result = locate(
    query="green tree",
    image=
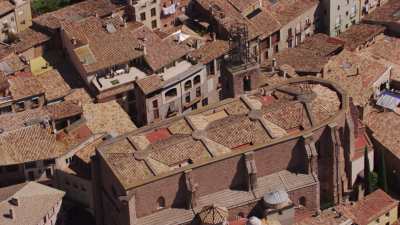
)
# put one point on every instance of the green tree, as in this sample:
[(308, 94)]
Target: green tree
[(44, 6), (382, 177)]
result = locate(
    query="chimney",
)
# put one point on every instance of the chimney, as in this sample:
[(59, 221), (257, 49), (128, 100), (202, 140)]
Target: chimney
[(14, 201), (285, 74), (12, 214), (214, 36)]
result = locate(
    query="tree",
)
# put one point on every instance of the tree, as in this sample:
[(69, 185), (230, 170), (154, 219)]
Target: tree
[(44, 6), (382, 177)]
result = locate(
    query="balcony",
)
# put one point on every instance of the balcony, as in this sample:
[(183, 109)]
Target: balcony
[(192, 102)]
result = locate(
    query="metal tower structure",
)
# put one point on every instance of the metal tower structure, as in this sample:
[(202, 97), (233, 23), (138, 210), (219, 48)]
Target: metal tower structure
[(238, 44)]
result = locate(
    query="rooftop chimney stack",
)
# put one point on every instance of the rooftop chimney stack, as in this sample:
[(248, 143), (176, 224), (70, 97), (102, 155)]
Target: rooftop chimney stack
[(12, 214), (14, 201)]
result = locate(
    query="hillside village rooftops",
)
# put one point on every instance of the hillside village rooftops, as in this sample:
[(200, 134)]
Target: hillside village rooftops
[(210, 50), (302, 60), (259, 23), (286, 11), (368, 209), (385, 50), (24, 86), (37, 142), (75, 12), (102, 43), (6, 6), (53, 84), (322, 44), (30, 38), (389, 12), (342, 69), (215, 132), (359, 34), (384, 128), (28, 195)]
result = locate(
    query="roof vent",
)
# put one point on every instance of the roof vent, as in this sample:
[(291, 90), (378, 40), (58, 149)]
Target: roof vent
[(14, 201)]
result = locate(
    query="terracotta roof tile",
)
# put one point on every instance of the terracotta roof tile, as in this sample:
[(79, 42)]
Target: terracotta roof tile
[(370, 207), (384, 127), (388, 12), (29, 194), (64, 110), (24, 86), (211, 50), (342, 69), (286, 11), (30, 38), (54, 85), (104, 48), (6, 6), (359, 35), (212, 132), (75, 12), (302, 60), (322, 44), (150, 83)]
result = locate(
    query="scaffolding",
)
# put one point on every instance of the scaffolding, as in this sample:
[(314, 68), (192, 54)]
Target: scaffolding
[(238, 44)]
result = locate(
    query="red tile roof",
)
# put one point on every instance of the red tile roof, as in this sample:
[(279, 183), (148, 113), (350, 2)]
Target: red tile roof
[(370, 207)]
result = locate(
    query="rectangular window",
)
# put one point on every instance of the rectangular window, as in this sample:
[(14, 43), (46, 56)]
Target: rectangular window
[(290, 33), (153, 12), (48, 173), (155, 103), (276, 49), (204, 102), (156, 114), (154, 24), (20, 106), (187, 98), (6, 109), (35, 102), (198, 92), (143, 16)]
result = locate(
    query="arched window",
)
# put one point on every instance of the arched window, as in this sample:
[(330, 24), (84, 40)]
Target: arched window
[(197, 80), (247, 83), (188, 85), (171, 93), (302, 201), (160, 203)]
